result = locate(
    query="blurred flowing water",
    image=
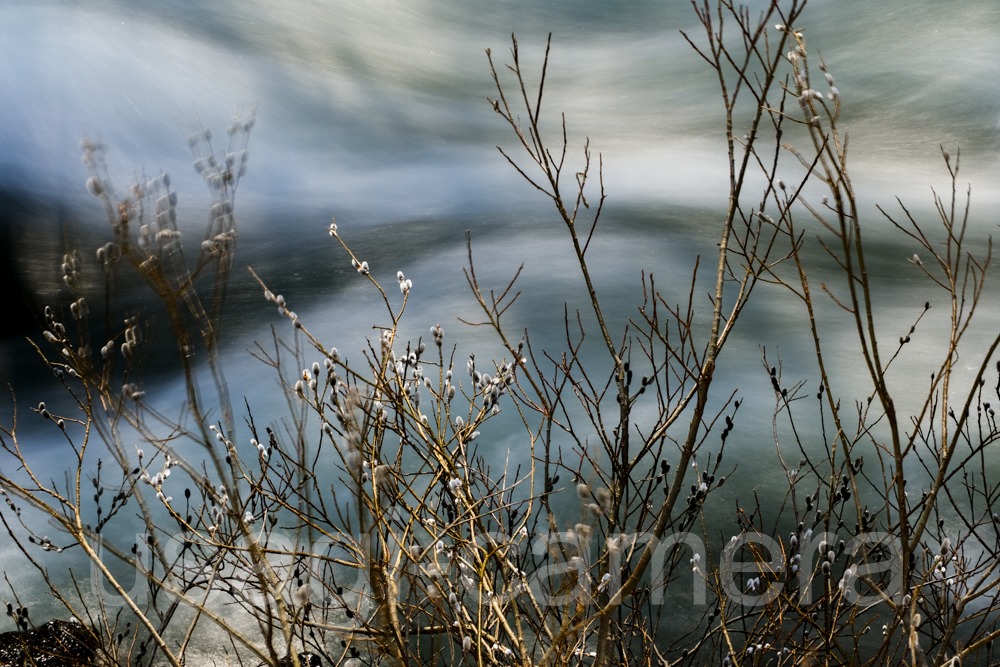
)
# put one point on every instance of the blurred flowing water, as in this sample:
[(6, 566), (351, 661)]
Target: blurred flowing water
[(376, 112)]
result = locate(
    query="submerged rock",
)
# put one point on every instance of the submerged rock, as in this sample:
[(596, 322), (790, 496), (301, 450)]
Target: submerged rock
[(55, 644)]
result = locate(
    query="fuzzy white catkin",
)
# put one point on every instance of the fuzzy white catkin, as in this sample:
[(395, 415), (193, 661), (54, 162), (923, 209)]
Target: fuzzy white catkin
[(382, 476)]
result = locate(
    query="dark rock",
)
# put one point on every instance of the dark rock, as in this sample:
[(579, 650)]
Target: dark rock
[(55, 644), (309, 660)]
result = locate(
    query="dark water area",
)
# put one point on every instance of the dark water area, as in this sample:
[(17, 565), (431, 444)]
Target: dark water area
[(16, 220)]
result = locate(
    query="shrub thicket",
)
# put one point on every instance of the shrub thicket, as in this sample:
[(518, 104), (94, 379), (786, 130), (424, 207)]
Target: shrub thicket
[(419, 552)]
